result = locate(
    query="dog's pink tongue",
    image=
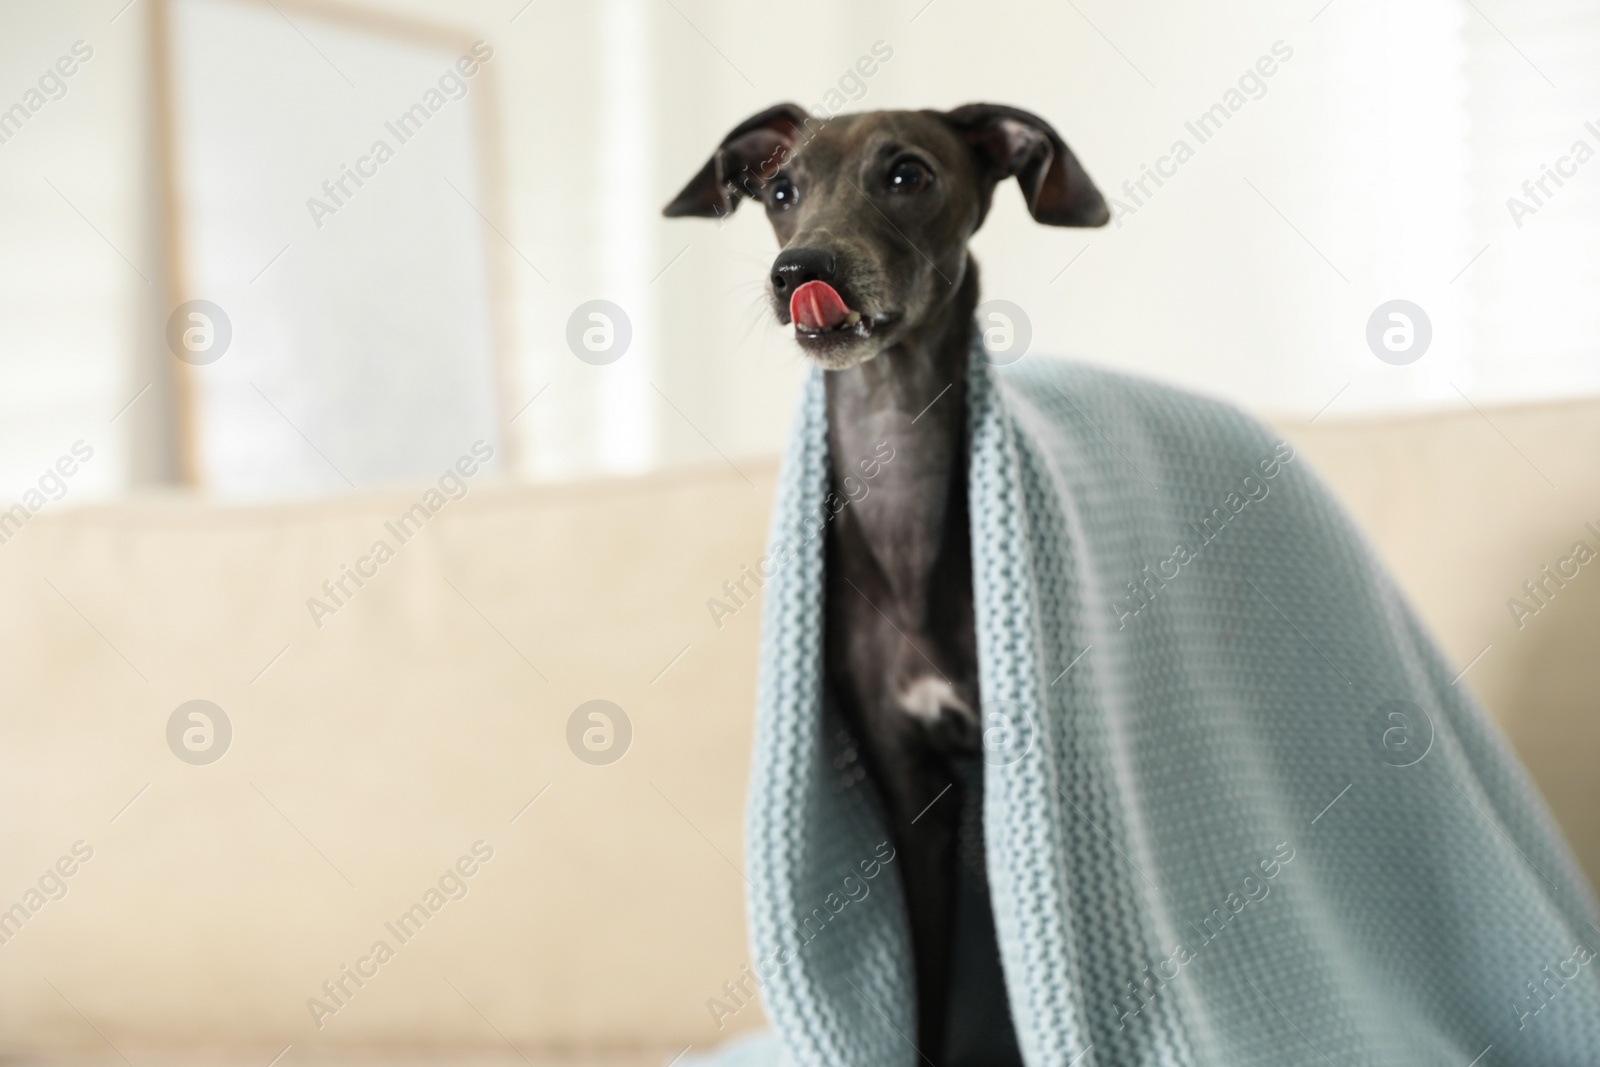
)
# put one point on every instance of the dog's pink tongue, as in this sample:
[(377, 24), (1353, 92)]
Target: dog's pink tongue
[(817, 306)]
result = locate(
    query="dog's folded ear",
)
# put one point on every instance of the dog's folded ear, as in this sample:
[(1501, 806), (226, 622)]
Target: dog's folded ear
[(1008, 141), (750, 155)]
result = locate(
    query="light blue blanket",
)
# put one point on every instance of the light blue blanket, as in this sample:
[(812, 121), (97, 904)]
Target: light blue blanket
[(1237, 810)]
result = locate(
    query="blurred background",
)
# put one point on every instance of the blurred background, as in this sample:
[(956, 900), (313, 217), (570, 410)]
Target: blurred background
[(284, 281)]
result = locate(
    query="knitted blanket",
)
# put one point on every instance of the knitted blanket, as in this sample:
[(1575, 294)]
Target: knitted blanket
[(1238, 810)]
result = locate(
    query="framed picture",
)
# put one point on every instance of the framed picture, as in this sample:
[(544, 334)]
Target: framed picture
[(335, 286)]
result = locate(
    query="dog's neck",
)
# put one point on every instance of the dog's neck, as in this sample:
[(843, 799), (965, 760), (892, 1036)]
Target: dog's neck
[(913, 396)]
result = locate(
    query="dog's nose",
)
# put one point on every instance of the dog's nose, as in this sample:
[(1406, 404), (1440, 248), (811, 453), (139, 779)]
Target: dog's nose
[(796, 266)]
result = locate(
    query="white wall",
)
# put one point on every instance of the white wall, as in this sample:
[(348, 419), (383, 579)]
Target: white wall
[(77, 253), (1376, 165)]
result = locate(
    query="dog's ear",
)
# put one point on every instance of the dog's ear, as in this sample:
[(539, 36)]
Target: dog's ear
[(1008, 141), (749, 155)]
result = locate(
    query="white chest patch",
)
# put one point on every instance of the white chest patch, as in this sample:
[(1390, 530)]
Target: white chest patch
[(927, 697)]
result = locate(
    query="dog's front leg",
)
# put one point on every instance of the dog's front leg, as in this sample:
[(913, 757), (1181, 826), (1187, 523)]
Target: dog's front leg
[(924, 806)]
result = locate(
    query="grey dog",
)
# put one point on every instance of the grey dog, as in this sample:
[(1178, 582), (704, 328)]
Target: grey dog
[(873, 212)]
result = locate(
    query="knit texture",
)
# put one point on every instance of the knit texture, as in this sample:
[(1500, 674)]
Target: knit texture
[(1237, 810)]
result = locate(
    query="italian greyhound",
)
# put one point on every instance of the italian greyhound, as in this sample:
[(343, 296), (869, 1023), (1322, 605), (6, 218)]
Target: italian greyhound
[(873, 212)]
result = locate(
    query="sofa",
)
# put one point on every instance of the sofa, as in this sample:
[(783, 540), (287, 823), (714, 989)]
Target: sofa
[(407, 760)]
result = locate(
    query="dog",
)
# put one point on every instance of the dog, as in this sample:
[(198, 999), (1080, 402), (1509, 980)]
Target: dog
[(873, 212)]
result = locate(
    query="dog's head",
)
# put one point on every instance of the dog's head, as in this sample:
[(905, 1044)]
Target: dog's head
[(874, 210)]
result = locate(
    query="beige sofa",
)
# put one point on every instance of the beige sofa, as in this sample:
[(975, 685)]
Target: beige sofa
[(369, 754)]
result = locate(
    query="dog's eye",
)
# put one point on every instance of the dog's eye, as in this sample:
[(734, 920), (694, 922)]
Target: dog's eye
[(783, 195), (909, 176)]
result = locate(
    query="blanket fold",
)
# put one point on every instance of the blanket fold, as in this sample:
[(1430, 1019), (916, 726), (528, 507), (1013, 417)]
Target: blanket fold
[(1236, 810)]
